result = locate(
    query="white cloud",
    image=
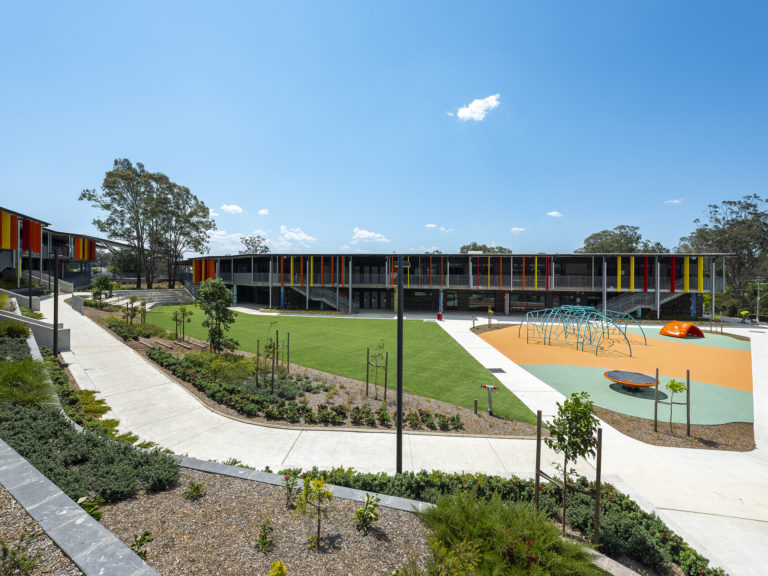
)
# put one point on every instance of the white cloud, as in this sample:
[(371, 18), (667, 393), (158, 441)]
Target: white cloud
[(429, 249), (517, 229), (223, 242), (212, 213), (264, 212), (444, 229), (361, 235), (345, 247), (675, 201), (554, 214), (232, 209), (478, 108), (431, 226), (291, 239), (441, 228)]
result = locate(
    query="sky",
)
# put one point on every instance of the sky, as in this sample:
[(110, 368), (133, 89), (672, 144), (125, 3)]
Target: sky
[(391, 126)]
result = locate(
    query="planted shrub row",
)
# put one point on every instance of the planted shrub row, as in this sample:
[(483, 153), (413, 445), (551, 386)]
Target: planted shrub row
[(133, 331), (625, 529), (250, 399), (83, 463)]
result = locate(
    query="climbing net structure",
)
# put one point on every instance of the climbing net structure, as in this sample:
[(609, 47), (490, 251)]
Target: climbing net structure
[(583, 326)]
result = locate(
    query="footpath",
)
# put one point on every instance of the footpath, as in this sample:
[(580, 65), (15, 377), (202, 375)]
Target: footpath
[(717, 501)]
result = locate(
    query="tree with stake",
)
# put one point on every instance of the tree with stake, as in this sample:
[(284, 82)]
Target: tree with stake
[(214, 300), (185, 316), (573, 433), (313, 502), (674, 387)]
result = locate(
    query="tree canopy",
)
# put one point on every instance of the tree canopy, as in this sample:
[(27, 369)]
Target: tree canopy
[(156, 216), (739, 227), (484, 248), (622, 239), (254, 244), (215, 300)]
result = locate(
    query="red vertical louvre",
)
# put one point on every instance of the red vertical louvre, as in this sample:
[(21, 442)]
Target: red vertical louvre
[(282, 270), (645, 274), (210, 269), (14, 232), (672, 276), (92, 251)]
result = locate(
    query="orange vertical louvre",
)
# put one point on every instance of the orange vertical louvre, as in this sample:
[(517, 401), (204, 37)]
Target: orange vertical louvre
[(211, 269)]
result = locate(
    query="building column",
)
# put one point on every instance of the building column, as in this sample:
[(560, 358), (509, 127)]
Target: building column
[(605, 285)]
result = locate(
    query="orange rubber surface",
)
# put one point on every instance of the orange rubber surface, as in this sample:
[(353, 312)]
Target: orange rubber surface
[(720, 366)]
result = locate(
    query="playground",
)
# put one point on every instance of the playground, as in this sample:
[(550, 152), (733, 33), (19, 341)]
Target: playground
[(720, 371)]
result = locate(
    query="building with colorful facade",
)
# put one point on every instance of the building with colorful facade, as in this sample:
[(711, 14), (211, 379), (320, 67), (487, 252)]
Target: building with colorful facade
[(634, 283)]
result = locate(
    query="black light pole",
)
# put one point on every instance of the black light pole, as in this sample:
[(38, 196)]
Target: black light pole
[(56, 305), (399, 465)]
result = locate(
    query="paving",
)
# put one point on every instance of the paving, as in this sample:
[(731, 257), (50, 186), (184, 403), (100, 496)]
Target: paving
[(716, 500)]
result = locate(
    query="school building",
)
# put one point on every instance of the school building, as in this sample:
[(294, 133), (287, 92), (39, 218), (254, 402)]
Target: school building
[(642, 284)]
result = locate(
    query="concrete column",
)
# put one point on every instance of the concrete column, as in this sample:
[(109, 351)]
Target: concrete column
[(658, 288), (605, 285)]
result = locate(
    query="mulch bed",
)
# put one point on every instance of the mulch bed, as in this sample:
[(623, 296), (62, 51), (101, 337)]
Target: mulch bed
[(14, 522), (735, 436), (215, 534)]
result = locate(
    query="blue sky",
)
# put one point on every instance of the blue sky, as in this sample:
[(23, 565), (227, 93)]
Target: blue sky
[(392, 126)]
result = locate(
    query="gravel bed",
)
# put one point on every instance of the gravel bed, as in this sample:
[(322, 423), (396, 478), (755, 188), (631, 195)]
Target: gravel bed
[(14, 522), (215, 534)]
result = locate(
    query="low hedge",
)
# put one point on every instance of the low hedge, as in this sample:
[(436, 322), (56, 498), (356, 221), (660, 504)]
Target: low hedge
[(84, 463), (133, 331), (101, 305), (248, 399), (625, 529), (14, 329)]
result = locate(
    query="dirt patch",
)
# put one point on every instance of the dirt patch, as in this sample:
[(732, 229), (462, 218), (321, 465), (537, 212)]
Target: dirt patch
[(736, 436), (215, 534), (485, 328)]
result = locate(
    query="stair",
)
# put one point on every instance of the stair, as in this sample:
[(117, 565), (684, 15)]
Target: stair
[(632, 301), (327, 296), (157, 297)]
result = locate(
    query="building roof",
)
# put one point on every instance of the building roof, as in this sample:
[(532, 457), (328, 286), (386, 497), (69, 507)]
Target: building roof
[(24, 216), (454, 255)]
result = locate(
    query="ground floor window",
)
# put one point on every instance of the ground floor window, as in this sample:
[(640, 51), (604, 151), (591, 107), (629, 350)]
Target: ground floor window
[(482, 300)]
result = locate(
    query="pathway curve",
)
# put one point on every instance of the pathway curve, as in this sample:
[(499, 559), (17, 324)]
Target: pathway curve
[(716, 500)]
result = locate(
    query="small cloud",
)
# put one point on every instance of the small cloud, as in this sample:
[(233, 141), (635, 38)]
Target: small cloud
[(675, 201), (554, 214), (444, 229), (429, 249), (516, 229), (212, 213), (477, 109), (232, 209), (431, 226), (361, 235), (263, 212), (450, 113), (345, 247)]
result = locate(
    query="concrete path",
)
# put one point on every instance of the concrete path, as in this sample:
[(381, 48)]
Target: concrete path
[(717, 501)]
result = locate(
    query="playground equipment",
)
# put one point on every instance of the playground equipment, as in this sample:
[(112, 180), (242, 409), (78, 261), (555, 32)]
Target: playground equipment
[(681, 330), (579, 325), (630, 380)]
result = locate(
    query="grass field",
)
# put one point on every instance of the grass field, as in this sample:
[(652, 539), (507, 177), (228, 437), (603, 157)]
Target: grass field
[(435, 365)]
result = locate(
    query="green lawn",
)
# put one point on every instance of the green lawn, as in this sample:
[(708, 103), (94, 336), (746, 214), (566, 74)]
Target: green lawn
[(436, 366)]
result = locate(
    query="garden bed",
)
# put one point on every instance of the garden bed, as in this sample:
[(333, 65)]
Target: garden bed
[(215, 534)]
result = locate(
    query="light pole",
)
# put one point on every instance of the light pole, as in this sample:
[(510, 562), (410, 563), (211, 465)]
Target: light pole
[(56, 304), (399, 415)]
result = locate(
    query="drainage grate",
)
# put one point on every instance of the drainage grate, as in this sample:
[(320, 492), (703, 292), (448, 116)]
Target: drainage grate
[(497, 370)]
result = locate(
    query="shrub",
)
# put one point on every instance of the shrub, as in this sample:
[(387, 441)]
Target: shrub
[(382, 415), (140, 542), (24, 381), (264, 540), (368, 513), (27, 312), (13, 349), (17, 560), (83, 463), (14, 329), (194, 490)]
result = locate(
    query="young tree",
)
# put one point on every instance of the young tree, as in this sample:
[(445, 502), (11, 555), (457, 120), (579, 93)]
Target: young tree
[(313, 501), (254, 244), (674, 387), (572, 433), (102, 286), (621, 239), (214, 300)]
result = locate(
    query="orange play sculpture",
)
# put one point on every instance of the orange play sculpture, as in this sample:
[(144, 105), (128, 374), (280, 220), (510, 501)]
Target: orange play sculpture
[(681, 329)]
